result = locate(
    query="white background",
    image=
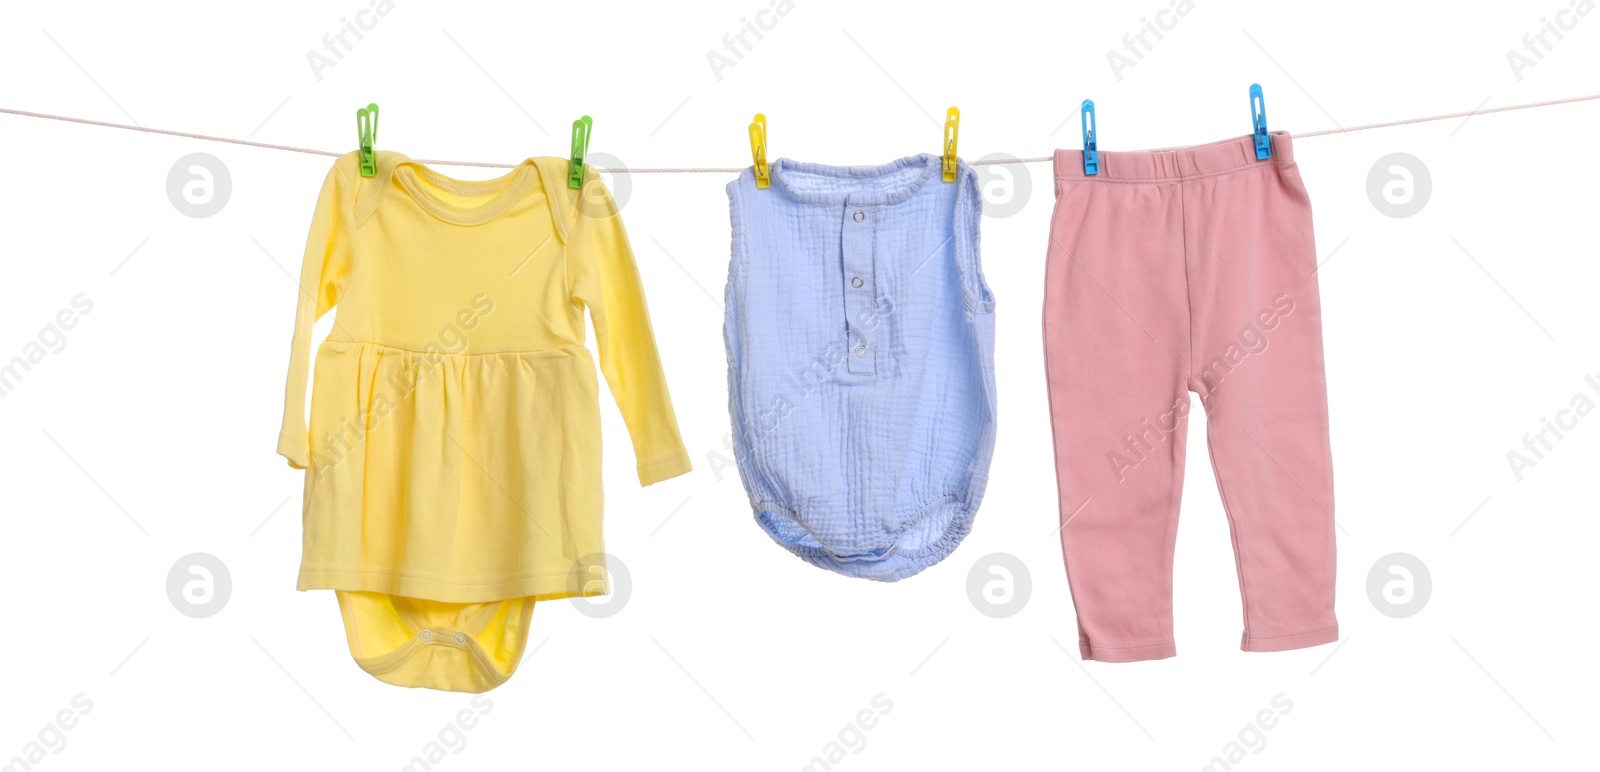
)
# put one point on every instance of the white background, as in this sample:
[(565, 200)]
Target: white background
[(150, 436)]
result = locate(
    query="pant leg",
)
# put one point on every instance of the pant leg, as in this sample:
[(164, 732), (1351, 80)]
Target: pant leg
[(1258, 367), (1116, 360)]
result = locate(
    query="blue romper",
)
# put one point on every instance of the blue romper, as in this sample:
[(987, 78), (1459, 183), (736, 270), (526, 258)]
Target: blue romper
[(860, 336)]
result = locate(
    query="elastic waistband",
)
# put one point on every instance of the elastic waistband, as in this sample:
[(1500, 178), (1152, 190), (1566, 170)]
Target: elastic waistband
[(1179, 163)]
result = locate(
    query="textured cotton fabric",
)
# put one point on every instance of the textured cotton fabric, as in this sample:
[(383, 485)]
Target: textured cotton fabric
[(453, 453), (1173, 272), (860, 336)]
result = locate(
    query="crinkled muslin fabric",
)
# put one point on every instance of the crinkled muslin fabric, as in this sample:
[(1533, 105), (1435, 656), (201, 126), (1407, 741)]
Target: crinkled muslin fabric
[(860, 339)]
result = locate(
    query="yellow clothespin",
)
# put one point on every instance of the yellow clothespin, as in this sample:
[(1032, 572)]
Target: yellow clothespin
[(758, 150), (952, 128)]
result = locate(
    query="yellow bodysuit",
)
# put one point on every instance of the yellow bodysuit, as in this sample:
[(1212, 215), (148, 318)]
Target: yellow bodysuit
[(453, 453)]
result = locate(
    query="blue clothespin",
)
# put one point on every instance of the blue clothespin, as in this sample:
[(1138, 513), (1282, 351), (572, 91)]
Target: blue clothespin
[(1258, 115), (1091, 139)]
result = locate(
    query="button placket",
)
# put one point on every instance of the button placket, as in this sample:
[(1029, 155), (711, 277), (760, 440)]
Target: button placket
[(860, 292)]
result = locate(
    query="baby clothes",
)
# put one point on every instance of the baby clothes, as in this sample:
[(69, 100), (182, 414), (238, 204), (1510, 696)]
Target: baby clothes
[(1180, 271), (860, 337), (453, 451)]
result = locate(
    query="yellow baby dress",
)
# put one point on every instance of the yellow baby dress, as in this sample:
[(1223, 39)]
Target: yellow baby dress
[(453, 453)]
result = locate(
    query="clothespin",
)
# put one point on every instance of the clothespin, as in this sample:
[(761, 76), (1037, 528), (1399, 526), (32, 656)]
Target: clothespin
[(580, 149), (952, 128), (366, 135), (1091, 139), (758, 150), (1258, 117)]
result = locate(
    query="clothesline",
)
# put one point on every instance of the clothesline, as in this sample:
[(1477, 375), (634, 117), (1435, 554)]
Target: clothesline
[(735, 170)]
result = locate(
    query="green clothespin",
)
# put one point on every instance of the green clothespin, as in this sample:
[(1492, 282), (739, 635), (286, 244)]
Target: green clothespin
[(580, 149), (367, 134)]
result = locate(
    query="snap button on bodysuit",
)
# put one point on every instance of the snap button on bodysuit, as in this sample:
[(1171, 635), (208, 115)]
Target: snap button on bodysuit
[(857, 282), (427, 635), (861, 351), (860, 215), (461, 639)]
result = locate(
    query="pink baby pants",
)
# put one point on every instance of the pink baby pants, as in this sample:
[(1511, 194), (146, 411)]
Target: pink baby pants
[(1171, 272)]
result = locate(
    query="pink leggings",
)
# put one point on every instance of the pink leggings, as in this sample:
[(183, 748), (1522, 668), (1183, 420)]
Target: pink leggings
[(1172, 272)]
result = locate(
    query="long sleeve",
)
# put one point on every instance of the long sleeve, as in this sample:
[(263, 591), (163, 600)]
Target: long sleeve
[(323, 273), (604, 278)]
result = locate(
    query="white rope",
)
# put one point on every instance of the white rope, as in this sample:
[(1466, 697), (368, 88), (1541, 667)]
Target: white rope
[(736, 170), (1448, 116)]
